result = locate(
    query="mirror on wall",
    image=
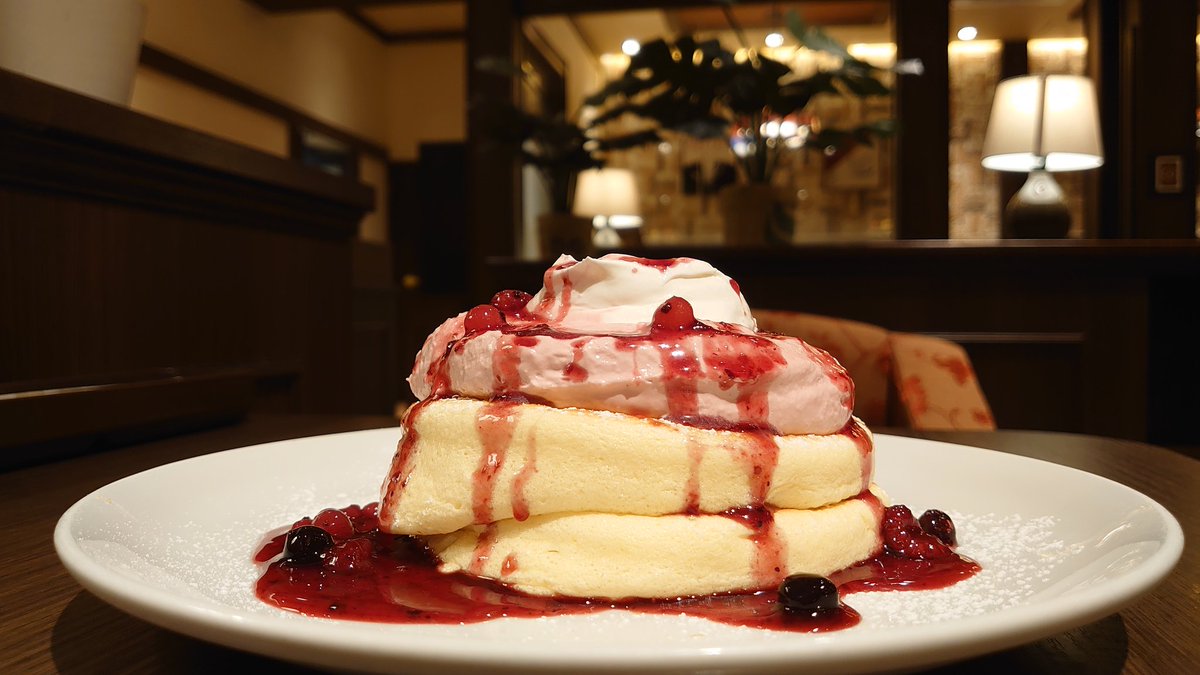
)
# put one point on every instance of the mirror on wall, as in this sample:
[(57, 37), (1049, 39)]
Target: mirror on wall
[(992, 41), (690, 187)]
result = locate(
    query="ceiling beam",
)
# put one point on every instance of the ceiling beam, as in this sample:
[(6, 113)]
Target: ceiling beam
[(352, 9), (427, 36), (288, 6), (359, 18), (197, 76), (537, 7), (583, 37), (540, 7)]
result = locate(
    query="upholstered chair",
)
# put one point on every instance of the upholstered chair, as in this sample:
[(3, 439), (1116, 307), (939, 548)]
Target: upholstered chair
[(900, 379), (861, 348)]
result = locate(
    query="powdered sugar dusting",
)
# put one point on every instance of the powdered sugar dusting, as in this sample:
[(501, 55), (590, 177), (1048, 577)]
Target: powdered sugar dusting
[(201, 560), (182, 537), (1018, 556)]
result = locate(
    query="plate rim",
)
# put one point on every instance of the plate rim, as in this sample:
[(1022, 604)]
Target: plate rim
[(268, 635)]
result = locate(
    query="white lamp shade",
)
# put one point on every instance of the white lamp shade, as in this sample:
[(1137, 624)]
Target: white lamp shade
[(606, 192), (1043, 122)]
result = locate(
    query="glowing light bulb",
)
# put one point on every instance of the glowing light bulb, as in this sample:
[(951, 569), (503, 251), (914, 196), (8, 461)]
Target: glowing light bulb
[(774, 40), (631, 46), (967, 33)]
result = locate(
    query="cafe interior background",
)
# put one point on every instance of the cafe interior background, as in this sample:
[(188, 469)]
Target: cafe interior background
[(290, 194)]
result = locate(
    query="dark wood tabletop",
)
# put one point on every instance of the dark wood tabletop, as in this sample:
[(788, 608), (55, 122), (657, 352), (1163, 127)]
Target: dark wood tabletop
[(48, 624)]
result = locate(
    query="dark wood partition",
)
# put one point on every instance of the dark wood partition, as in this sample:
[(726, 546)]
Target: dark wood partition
[(172, 277)]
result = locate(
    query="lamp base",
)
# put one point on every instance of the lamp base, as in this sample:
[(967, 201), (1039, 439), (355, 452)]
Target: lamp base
[(609, 238), (1038, 210)]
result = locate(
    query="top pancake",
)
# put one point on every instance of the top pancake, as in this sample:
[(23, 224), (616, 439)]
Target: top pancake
[(466, 462)]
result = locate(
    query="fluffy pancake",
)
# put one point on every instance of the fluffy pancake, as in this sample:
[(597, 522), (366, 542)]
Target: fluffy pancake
[(466, 462), (605, 555), (627, 432)]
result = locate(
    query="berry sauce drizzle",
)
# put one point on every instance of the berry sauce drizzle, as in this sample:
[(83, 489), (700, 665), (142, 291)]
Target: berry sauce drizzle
[(362, 573), (719, 363), (495, 424), (371, 575), (661, 265), (683, 344)]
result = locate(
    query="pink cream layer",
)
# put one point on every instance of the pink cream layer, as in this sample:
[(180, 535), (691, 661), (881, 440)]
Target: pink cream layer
[(722, 373)]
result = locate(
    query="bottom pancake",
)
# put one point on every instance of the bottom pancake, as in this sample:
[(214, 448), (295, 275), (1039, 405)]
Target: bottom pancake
[(605, 555)]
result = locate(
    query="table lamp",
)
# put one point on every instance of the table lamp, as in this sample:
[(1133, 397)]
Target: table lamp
[(610, 197), (1042, 124)]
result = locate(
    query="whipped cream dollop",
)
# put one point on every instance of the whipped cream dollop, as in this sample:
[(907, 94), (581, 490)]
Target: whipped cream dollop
[(588, 339), (618, 293)]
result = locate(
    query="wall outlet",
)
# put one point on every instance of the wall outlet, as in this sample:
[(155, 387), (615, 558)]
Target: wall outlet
[(1168, 174)]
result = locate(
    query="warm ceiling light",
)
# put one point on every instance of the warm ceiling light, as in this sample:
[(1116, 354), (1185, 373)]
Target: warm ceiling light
[(631, 46), (774, 40), (615, 64), (967, 33), (872, 51), (1044, 45), (974, 47)]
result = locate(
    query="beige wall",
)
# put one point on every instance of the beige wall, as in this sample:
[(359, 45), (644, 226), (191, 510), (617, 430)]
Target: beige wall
[(180, 103), (583, 75), (426, 95), (318, 62), (374, 226)]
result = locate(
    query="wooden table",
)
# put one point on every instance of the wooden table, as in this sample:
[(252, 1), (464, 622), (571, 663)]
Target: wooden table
[(49, 625)]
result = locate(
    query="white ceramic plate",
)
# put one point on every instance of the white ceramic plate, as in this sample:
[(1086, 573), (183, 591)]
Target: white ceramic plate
[(1059, 548)]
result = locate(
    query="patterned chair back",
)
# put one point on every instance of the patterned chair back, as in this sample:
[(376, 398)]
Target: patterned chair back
[(900, 379)]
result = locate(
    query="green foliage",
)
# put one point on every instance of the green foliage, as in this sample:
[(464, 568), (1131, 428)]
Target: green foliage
[(558, 148), (699, 89), (692, 87)]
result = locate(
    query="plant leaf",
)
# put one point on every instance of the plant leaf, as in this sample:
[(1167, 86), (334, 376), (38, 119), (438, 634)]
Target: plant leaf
[(633, 140), (813, 37)]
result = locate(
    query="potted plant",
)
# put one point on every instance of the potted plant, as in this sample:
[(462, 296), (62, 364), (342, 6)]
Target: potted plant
[(700, 89), (559, 149)]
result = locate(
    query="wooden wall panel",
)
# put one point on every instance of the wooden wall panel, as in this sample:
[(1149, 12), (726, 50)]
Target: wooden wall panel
[(1031, 382), (94, 288), (135, 254)]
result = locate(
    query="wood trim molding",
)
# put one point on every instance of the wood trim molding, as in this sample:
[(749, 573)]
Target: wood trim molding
[(448, 35), (64, 143), (287, 6), (97, 414), (1012, 338), (352, 9), (537, 7), (182, 69), (355, 15)]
